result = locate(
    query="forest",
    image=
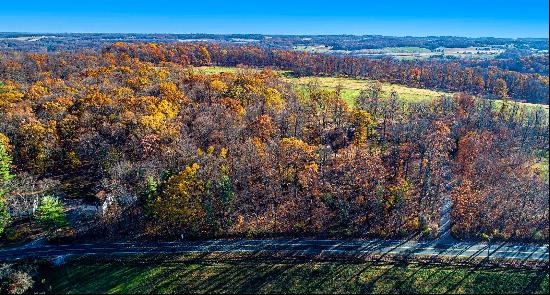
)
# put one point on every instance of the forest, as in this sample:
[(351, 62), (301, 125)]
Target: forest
[(165, 151)]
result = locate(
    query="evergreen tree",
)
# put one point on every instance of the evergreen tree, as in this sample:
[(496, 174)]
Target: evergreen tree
[(50, 213), (5, 177)]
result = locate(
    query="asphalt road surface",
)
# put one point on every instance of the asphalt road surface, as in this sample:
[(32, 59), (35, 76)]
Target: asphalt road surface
[(290, 246)]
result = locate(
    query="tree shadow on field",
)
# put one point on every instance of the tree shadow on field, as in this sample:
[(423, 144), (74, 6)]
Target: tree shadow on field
[(224, 273), (536, 282), (294, 266), (368, 288), (486, 260)]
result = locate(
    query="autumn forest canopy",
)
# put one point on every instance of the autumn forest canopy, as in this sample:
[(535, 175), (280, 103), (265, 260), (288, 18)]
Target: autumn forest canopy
[(288, 147), (161, 149)]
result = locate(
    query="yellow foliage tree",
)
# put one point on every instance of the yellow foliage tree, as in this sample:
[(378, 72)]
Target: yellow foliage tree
[(5, 142), (9, 96), (36, 91), (364, 126), (179, 205), (170, 91), (233, 105), (95, 98), (160, 117), (297, 157), (35, 144), (218, 86), (273, 99)]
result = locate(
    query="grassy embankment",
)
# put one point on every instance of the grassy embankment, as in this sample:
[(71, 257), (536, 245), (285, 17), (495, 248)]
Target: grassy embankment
[(200, 276)]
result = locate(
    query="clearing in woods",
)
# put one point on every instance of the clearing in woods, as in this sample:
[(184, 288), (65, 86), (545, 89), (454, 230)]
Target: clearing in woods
[(352, 87)]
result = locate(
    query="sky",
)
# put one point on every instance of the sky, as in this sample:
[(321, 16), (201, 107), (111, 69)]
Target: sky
[(481, 18)]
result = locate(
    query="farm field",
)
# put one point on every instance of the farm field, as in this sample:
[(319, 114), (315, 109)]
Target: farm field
[(350, 87), (130, 276), (410, 52)]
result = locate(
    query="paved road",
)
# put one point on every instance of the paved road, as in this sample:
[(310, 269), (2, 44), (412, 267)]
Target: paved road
[(294, 246)]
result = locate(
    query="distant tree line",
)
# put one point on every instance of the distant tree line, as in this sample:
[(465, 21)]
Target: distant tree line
[(455, 76), (75, 41)]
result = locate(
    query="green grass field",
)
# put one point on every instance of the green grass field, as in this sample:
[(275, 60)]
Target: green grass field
[(405, 49), (285, 277), (350, 87), (216, 70), (542, 164), (313, 49)]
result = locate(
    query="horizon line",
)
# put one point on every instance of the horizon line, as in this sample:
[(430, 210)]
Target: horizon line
[(276, 34)]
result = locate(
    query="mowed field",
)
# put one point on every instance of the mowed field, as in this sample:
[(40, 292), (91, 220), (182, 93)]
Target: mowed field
[(350, 87), (202, 276)]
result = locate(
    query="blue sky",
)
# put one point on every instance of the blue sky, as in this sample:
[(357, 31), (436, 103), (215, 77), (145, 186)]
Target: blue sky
[(505, 18)]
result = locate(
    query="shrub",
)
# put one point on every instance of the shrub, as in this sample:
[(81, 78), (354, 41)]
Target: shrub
[(13, 280), (50, 213)]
